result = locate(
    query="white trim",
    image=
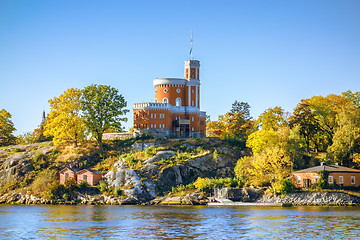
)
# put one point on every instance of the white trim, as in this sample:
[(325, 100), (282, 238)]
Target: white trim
[(341, 179), (189, 103), (353, 178), (298, 180), (196, 94), (178, 102), (331, 180), (165, 100)]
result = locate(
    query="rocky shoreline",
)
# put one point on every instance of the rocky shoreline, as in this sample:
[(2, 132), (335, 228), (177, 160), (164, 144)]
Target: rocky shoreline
[(195, 198)]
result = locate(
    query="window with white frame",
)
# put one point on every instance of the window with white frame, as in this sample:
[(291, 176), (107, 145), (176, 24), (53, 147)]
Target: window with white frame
[(192, 119), (331, 180), (192, 129), (151, 115), (154, 115), (316, 179), (165, 90), (178, 102), (151, 126), (341, 179), (178, 90), (298, 180), (155, 125), (165, 100), (352, 179)]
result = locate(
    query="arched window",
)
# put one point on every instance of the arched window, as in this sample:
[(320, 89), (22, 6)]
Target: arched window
[(178, 102), (165, 100)]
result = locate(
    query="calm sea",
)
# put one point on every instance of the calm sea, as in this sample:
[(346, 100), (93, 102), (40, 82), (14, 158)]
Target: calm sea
[(175, 222)]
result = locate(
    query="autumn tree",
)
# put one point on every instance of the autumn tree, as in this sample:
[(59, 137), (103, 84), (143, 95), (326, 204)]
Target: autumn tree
[(64, 121), (347, 134), (304, 118), (6, 128), (103, 108), (237, 123)]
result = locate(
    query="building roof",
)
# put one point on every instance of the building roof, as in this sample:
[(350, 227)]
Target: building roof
[(90, 170), (330, 168), (75, 170)]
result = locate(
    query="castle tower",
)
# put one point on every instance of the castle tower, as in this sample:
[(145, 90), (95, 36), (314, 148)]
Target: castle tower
[(176, 110)]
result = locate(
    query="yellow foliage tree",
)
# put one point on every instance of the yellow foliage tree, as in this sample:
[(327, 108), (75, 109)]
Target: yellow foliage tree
[(200, 183), (6, 128), (64, 121)]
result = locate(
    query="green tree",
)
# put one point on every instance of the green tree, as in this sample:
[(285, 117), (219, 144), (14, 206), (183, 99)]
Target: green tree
[(272, 119), (304, 118), (103, 108), (235, 124), (6, 129), (64, 121), (347, 134)]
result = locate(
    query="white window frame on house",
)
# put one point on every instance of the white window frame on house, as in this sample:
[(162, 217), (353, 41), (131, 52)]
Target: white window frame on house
[(353, 180), (164, 125), (178, 102), (151, 116), (178, 90), (331, 180), (341, 179), (156, 100), (165, 90), (192, 129), (298, 180), (316, 179), (165, 100), (151, 126), (154, 115), (154, 125), (192, 119)]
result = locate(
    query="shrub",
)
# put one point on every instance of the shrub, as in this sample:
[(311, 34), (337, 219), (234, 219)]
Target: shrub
[(102, 187), (84, 186), (117, 191), (284, 187), (323, 181)]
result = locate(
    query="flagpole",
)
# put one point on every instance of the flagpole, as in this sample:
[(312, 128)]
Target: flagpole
[(191, 45)]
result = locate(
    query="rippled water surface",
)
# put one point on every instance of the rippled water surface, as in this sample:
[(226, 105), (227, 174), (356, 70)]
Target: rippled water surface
[(153, 222)]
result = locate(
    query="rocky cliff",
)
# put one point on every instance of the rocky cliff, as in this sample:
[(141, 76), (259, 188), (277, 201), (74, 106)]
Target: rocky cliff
[(154, 179)]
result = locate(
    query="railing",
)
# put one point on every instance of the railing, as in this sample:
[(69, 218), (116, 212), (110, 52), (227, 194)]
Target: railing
[(167, 106)]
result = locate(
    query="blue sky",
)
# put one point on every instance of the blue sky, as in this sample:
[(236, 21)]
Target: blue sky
[(266, 53)]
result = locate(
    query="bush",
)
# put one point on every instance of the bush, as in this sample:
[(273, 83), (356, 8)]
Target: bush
[(323, 181), (286, 186), (84, 186), (117, 191), (102, 187)]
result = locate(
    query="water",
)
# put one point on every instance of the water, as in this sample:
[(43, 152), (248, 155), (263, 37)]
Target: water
[(176, 222)]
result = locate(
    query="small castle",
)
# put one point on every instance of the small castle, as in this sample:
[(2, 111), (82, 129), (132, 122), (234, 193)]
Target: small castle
[(176, 109)]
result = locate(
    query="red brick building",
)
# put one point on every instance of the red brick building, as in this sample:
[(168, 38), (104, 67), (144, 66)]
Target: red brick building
[(68, 173), (90, 176), (176, 109), (340, 175)]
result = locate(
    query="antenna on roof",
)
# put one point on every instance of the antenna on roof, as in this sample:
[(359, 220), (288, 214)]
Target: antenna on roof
[(191, 49)]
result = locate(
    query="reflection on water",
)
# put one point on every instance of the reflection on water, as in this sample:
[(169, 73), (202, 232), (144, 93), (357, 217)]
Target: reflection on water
[(154, 222)]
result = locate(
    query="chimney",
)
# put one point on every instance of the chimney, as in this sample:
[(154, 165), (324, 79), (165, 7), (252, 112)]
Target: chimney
[(322, 164)]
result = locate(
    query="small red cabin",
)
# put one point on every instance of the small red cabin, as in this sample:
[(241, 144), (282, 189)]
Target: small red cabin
[(92, 177), (68, 173)]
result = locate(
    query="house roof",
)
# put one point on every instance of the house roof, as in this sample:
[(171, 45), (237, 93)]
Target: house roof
[(90, 170), (330, 168), (75, 170)]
